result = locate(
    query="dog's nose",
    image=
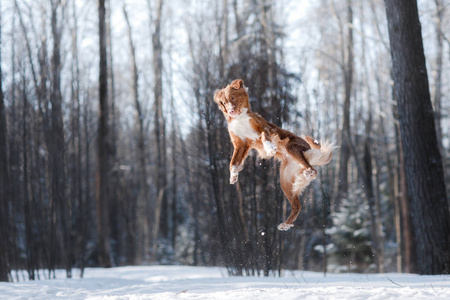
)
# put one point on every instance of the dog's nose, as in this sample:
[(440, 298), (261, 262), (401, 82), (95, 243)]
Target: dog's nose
[(231, 111)]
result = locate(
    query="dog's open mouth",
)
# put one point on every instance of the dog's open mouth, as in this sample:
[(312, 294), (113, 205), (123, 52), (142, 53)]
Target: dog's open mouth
[(234, 114)]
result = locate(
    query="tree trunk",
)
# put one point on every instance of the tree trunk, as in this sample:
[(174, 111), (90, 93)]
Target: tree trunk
[(113, 117), (87, 192), (407, 234), (58, 178), (104, 149), (13, 150), (423, 164), (160, 130), (440, 9), (5, 183), (77, 144), (143, 197), (27, 203), (325, 218), (377, 247), (347, 67), (174, 200)]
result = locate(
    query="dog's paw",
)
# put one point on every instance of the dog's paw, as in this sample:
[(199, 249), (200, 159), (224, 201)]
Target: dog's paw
[(270, 148), (284, 226), (310, 174), (233, 175), (233, 178)]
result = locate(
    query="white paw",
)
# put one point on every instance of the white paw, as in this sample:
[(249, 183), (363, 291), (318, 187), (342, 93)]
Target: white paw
[(234, 178), (310, 174), (233, 175), (284, 226), (270, 148)]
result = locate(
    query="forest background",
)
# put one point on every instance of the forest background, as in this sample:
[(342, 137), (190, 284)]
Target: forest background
[(113, 152)]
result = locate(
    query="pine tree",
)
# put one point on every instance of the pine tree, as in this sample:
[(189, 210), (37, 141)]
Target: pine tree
[(350, 234)]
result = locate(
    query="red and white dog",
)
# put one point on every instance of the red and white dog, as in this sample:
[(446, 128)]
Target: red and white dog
[(248, 130)]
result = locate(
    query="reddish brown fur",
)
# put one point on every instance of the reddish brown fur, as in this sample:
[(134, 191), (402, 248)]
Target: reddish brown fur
[(248, 130)]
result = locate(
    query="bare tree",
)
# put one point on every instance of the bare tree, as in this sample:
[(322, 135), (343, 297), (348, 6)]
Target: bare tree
[(77, 136), (347, 69), (161, 225), (57, 153), (143, 238)]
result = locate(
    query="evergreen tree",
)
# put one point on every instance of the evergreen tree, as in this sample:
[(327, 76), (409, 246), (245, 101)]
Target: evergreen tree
[(350, 235)]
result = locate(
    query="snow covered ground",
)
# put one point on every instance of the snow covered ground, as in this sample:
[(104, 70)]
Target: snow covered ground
[(181, 282)]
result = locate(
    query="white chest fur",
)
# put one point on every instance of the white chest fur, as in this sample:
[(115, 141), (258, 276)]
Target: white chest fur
[(240, 126)]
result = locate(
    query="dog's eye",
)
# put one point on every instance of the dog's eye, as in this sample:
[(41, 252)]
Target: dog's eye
[(232, 98)]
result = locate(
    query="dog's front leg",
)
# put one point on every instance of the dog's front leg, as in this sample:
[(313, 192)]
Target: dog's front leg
[(237, 161), (269, 147)]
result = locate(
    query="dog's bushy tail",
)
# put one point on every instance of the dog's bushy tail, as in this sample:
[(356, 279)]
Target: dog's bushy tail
[(320, 153)]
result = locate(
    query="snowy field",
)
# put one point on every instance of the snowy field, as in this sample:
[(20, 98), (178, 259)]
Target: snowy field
[(176, 282)]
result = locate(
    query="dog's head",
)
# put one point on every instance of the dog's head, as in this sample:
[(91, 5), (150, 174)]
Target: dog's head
[(232, 99)]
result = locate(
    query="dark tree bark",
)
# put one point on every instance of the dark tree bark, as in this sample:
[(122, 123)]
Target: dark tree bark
[(104, 149), (26, 201), (371, 200), (58, 177), (423, 163), (4, 184), (407, 235), (87, 190)]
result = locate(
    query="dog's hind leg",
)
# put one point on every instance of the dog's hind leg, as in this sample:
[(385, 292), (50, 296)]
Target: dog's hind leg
[(296, 150), (288, 175), (293, 183)]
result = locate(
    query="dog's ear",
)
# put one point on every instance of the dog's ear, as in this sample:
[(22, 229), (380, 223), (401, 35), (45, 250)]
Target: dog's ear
[(218, 94), (237, 84)]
